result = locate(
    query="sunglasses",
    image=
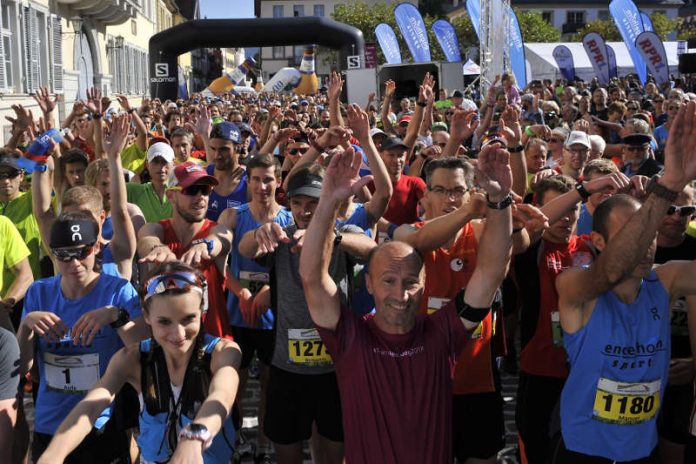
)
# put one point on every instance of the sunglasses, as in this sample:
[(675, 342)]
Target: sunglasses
[(636, 148), (196, 189), (9, 175), (66, 255), (177, 280), (449, 113), (294, 151), (683, 211)]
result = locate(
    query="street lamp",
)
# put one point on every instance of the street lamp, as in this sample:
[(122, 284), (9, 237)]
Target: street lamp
[(77, 23)]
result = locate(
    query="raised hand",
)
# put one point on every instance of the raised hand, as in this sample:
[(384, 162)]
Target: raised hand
[(123, 101), (493, 171), (359, 122), (613, 183), (116, 141), (204, 122), (463, 125), (680, 151), (582, 125), (24, 119), (158, 255), (510, 123), (94, 101), (268, 236), (342, 178), (389, 88), (334, 136), (530, 217), (334, 86), (43, 98)]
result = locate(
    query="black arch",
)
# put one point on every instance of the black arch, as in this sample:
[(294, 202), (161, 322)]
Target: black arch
[(167, 45)]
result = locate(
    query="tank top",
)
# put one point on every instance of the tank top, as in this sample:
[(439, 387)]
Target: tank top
[(447, 271), (216, 321), (252, 275), (218, 203), (154, 436), (618, 372)]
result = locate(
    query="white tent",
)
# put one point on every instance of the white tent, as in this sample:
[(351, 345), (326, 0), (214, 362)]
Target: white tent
[(470, 68), (543, 66)]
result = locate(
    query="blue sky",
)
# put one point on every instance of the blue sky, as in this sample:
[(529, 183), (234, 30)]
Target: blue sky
[(227, 8)]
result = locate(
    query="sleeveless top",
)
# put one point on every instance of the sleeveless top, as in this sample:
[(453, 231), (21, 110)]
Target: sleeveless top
[(251, 274), (218, 203), (161, 425), (215, 320), (618, 374)]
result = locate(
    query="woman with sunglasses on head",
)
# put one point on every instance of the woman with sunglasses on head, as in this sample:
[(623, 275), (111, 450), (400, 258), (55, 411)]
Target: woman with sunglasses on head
[(186, 379), (72, 325)]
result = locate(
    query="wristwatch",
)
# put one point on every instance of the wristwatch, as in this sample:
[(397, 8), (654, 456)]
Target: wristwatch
[(208, 242), (502, 204), (582, 191), (121, 320), (337, 238), (653, 187), (198, 432), (516, 149)]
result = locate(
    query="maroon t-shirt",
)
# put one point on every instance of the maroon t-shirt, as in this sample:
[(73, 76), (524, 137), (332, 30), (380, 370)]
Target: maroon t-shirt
[(396, 390)]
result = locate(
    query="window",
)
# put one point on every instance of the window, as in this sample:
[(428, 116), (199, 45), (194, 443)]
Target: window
[(603, 15), (278, 52), (575, 17), (6, 34), (298, 54), (129, 68), (298, 10), (278, 11), (319, 10), (547, 16)]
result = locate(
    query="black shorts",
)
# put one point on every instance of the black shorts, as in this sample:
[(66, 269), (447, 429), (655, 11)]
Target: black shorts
[(478, 427), (249, 340), (295, 401), (675, 413), (536, 414), (559, 454), (110, 444)]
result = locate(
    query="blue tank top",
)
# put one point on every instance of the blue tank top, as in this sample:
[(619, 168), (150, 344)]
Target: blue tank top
[(584, 224), (153, 442), (362, 302), (217, 203), (107, 228), (108, 265), (249, 272), (618, 373)]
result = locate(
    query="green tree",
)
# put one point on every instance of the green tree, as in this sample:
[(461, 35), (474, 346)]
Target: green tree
[(607, 29), (662, 25), (535, 29)]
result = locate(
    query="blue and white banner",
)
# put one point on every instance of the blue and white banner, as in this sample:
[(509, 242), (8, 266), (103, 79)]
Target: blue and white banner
[(652, 49), (183, 87), (613, 69), (565, 62), (447, 38), (647, 22), (388, 43), (516, 44), (628, 21), (473, 7), (596, 50), (413, 30)]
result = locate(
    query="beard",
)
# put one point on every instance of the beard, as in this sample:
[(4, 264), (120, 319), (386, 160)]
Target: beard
[(191, 218)]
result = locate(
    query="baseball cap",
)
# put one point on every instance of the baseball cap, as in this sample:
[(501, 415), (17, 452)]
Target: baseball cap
[(468, 105), (392, 142), (405, 119), (376, 131), (160, 149), (457, 94), (226, 130), (71, 232), (637, 139), (304, 183), (172, 106), (439, 126), (304, 102), (189, 173), (578, 138), (9, 161), (244, 127)]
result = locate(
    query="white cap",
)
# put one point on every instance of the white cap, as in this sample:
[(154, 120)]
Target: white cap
[(160, 149), (578, 138), (375, 130), (468, 105), (172, 106)]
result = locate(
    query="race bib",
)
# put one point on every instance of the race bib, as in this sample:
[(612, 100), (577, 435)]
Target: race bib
[(626, 403), (306, 347), (71, 373), (556, 332), (679, 321), (435, 303), (254, 281)]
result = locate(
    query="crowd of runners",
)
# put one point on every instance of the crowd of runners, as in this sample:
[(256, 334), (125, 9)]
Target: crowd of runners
[(383, 263)]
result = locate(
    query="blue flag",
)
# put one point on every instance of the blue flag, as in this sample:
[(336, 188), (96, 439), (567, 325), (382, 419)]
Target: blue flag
[(473, 7), (628, 21), (183, 87), (613, 70), (388, 43), (565, 62), (647, 22), (517, 57), (413, 30), (447, 38)]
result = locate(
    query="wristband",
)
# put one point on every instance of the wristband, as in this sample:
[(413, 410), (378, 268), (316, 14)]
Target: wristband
[(97, 115), (516, 149), (528, 130), (390, 231), (504, 203), (130, 111), (582, 191), (41, 167), (337, 238), (654, 187), (421, 104), (468, 312), (208, 243), (121, 320)]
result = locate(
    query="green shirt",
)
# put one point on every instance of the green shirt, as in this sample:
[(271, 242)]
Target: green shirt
[(146, 198), (12, 248), (20, 213), (133, 158)]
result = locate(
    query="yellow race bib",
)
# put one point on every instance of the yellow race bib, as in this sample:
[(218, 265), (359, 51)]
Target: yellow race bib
[(626, 403), (306, 347)]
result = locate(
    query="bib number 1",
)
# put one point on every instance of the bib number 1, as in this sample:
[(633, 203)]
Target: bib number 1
[(71, 374)]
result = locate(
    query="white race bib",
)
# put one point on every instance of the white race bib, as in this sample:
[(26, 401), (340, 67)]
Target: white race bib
[(71, 373)]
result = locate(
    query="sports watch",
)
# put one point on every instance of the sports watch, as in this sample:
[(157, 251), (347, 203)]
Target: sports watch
[(198, 432)]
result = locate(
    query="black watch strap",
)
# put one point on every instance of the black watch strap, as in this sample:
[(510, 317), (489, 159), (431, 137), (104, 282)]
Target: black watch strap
[(655, 188), (582, 191), (516, 149), (502, 204), (123, 318)]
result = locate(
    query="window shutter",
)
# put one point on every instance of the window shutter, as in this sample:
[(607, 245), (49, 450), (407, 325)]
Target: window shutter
[(3, 82), (57, 61), (31, 49)]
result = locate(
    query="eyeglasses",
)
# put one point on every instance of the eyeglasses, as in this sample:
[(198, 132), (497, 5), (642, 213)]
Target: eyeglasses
[(294, 151), (9, 175), (673, 107), (196, 189), (441, 144), (579, 151), (449, 113), (65, 255), (456, 192), (683, 211), (175, 280)]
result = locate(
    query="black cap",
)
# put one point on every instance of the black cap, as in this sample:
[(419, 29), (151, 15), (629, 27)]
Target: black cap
[(392, 142), (304, 183), (10, 162), (457, 94), (637, 139), (73, 232)]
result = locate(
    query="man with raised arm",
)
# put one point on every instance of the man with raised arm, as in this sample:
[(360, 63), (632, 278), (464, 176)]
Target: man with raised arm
[(615, 316), (382, 362)]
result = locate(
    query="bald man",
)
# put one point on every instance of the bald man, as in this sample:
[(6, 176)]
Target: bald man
[(382, 362)]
